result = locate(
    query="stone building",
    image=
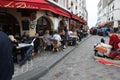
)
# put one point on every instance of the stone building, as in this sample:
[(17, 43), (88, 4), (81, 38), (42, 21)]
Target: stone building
[(17, 17)]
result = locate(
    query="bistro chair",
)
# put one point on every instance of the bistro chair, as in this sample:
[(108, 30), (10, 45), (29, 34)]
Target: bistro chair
[(56, 46), (43, 43)]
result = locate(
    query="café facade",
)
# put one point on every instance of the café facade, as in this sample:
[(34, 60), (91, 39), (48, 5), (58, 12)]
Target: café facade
[(19, 16)]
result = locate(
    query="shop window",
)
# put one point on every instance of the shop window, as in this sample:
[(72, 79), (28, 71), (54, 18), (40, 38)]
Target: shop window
[(113, 7), (112, 18), (25, 25), (42, 21), (55, 0), (42, 25), (71, 3)]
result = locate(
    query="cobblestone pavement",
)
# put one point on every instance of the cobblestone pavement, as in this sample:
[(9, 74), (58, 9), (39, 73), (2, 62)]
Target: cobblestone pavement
[(80, 65)]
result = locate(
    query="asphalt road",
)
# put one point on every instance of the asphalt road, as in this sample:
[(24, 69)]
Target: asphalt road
[(80, 65)]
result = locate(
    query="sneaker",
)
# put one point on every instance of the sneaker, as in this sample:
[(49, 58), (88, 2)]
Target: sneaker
[(33, 54), (64, 47)]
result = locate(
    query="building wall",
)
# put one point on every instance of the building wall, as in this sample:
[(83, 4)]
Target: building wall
[(111, 10), (77, 7), (39, 14)]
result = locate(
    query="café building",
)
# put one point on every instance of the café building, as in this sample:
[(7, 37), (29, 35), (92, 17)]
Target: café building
[(19, 16)]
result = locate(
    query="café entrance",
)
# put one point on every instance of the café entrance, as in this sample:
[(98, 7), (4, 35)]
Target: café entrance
[(43, 24)]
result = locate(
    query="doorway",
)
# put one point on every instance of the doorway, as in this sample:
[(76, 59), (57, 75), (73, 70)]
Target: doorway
[(43, 24)]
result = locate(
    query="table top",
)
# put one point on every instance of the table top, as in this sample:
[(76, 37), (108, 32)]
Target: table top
[(21, 45)]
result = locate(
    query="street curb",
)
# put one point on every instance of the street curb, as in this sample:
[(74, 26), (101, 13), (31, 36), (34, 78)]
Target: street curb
[(42, 70)]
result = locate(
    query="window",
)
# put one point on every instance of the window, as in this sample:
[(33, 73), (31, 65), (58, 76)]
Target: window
[(112, 18), (113, 7), (55, 0)]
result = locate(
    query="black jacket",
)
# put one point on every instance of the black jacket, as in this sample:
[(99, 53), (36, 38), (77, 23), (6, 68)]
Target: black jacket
[(6, 60)]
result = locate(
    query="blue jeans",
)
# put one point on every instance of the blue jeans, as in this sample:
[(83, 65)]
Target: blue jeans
[(27, 54)]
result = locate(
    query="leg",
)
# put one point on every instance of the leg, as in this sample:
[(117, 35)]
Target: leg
[(27, 54)]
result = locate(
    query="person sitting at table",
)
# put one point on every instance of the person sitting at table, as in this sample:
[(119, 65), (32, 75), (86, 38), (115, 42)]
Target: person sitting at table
[(34, 45), (25, 38), (72, 36), (48, 39), (64, 38), (14, 50), (57, 37)]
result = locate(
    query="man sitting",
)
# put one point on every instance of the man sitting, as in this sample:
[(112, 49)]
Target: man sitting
[(72, 37)]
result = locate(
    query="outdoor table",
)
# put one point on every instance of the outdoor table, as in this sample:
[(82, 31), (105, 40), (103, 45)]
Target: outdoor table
[(22, 45)]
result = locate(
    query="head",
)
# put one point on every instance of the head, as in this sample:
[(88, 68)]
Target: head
[(12, 38), (36, 34), (47, 32), (55, 32)]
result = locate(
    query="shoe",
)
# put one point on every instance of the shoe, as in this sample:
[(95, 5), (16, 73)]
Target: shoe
[(33, 54), (64, 47)]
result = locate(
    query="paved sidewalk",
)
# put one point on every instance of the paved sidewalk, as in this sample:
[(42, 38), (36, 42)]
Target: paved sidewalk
[(41, 63)]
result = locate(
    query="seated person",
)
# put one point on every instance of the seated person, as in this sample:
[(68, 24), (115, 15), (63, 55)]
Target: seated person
[(64, 39), (73, 37), (28, 50), (57, 37), (25, 38), (36, 43), (48, 38)]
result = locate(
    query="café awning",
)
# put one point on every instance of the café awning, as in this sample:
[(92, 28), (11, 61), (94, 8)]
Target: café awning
[(78, 18), (33, 4)]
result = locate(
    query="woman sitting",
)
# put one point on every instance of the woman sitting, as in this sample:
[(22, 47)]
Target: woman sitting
[(48, 39), (73, 36)]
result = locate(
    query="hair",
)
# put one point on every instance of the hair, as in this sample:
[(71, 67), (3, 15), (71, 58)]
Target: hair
[(55, 31), (47, 32), (102, 40), (12, 38)]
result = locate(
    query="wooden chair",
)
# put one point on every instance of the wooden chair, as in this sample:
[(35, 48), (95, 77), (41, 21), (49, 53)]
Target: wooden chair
[(56, 45), (43, 43)]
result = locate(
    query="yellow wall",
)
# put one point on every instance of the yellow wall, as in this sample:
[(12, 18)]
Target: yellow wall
[(39, 14)]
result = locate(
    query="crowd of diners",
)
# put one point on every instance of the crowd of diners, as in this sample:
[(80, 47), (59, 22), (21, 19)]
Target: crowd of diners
[(63, 37)]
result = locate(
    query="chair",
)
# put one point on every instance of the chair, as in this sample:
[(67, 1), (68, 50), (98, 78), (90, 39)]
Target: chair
[(56, 45), (69, 41), (43, 43)]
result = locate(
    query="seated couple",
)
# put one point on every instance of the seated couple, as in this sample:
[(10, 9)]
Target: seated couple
[(25, 52), (49, 39)]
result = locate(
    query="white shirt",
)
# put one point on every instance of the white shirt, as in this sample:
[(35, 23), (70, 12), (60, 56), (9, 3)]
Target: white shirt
[(32, 43), (70, 33), (57, 37)]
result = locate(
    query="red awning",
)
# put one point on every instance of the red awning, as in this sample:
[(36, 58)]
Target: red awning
[(33, 4), (79, 19)]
